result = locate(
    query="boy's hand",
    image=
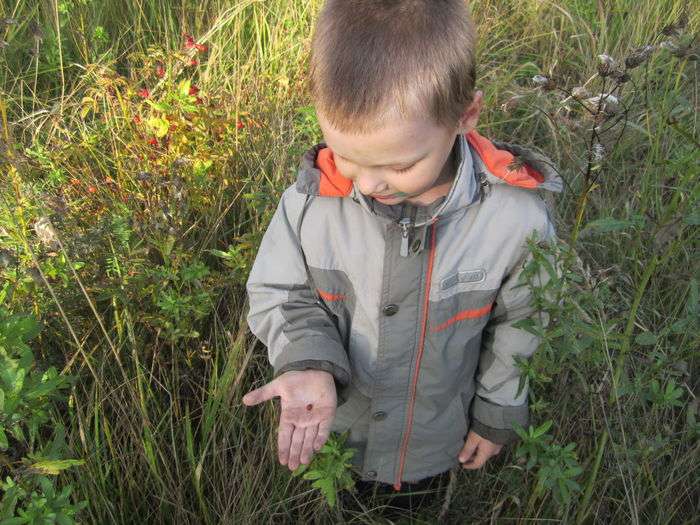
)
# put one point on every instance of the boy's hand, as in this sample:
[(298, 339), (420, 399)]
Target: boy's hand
[(477, 451), (308, 401)]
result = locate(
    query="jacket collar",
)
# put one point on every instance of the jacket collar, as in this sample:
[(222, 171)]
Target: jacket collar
[(480, 162)]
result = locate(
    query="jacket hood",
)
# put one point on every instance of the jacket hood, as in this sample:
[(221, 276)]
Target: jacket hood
[(480, 162)]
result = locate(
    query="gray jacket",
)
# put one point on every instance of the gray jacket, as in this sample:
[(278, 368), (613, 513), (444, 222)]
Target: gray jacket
[(409, 307)]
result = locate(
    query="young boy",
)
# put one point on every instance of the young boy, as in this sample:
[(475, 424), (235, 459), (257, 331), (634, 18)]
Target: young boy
[(388, 276)]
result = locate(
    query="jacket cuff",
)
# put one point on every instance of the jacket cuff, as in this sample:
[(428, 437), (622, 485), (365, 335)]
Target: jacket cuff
[(497, 423), (340, 376), (494, 435), (315, 353)]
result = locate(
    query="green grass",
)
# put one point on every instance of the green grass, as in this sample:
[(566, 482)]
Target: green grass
[(151, 324)]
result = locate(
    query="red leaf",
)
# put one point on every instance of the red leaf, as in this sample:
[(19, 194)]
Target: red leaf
[(160, 71), (240, 124), (202, 48), (194, 90), (137, 119), (144, 93)]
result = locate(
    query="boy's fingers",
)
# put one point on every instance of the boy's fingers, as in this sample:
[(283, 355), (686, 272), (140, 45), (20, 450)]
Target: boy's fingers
[(284, 440), (307, 448), (295, 448), (478, 461), (324, 430), (467, 451)]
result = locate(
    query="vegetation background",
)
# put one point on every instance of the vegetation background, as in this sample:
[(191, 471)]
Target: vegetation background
[(143, 146)]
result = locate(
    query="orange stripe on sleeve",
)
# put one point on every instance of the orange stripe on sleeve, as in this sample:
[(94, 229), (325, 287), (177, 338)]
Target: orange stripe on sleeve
[(329, 296), (464, 314)]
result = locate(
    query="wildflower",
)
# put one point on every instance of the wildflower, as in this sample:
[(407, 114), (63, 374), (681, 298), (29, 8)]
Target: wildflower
[(92, 189), (160, 70), (144, 93), (194, 90), (45, 231), (639, 56), (137, 119), (190, 43), (239, 124)]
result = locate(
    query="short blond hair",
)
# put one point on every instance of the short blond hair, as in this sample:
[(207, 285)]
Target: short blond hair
[(369, 57)]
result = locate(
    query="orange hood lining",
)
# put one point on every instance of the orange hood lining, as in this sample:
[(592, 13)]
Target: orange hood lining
[(500, 162)]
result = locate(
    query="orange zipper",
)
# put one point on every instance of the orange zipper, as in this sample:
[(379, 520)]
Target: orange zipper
[(421, 345)]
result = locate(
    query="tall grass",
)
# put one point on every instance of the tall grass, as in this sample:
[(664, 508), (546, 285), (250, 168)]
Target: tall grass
[(151, 323)]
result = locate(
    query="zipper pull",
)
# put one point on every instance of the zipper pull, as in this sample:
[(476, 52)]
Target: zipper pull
[(485, 186), (406, 223)]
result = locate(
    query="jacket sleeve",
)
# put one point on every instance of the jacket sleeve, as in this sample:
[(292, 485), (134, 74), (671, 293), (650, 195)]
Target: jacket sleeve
[(496, 408), (285, 312)]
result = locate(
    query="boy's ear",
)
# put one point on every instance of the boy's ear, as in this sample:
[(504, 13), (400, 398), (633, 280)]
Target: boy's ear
[(470, 117)]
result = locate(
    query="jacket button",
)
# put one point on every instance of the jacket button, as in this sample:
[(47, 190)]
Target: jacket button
[(390, 309), (371, 474), (379, 416)]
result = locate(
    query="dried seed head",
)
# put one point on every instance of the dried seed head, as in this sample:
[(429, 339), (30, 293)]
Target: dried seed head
[(511, 103), (639, 56), (9, 21), (669, 45), (608, 103), (35, 31), (544, 82), (606, 65), (46, 232), (580, 92), (598, 152), (7, 259)]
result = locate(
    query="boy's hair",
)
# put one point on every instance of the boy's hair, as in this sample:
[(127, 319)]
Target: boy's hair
[(369, 57)]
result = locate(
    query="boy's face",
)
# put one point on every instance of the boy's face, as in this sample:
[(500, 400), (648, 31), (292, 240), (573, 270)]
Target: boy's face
[(405, 160)]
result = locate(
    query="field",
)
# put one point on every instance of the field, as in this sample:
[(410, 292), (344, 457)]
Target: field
[(143, 148)]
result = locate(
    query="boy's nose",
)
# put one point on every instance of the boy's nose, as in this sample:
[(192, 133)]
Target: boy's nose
[(370, 183)]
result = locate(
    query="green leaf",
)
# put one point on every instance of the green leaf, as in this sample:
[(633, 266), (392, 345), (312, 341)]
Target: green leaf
[(313, 474), (159, 125), (184, 87), (542, 429), (645, 339), (54, 466), (3, 440)]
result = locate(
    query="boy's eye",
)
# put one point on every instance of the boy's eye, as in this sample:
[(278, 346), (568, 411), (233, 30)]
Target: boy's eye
[(405, 169)]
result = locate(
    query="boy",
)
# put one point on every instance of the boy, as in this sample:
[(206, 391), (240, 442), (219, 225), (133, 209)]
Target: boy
[(388, 276)]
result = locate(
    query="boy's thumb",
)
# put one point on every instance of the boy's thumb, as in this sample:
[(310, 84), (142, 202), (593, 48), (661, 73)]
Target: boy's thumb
[(258, 395)]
